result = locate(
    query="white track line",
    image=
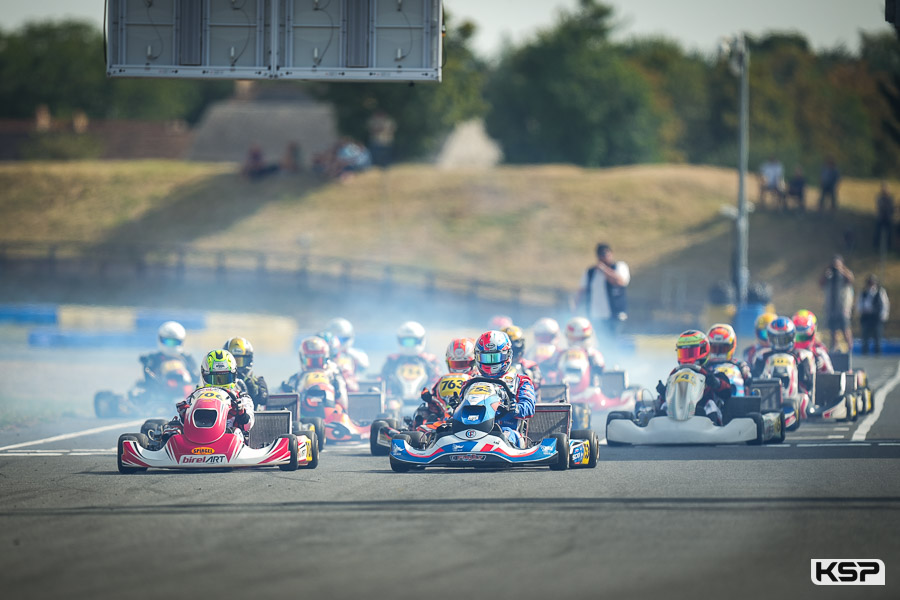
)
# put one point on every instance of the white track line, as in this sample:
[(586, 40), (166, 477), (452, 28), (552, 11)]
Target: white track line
[(879, 397), (68, 436)]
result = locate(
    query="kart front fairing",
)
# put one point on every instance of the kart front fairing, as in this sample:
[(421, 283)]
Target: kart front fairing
[(228, 451), (473, 447), (668, 431)]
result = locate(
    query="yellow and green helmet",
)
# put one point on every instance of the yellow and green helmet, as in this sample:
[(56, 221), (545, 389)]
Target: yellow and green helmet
[(219, 369)]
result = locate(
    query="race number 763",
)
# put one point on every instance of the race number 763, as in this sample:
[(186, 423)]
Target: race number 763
[(847, 571)]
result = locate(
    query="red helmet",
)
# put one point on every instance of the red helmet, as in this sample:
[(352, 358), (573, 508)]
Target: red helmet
[(461, 355), (722, 341), (805, 328), (579, 331), (692, 347), (493, 353), (313, 353)]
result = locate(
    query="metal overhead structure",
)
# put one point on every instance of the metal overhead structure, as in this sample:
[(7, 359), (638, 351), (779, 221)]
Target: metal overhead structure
[(337, 40)]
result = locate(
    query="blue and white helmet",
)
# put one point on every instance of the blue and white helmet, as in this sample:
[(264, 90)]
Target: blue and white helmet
[(493, 353)]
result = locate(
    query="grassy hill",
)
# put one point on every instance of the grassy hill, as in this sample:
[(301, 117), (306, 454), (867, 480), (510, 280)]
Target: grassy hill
[(534, 224)]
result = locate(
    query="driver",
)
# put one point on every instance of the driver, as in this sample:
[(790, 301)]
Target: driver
[(494, 357), (520, 363), (780, 334), (219, 370), (692, 349), (805, 338), (171, 336), (411, 337), (242, 350), (315, 356), (580, 334), (762, 337), (722, 344)]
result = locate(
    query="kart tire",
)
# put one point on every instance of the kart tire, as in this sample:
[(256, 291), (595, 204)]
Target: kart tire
[(314, 448), (374, 447), (141, 439), (850, 405), (105, 404), (562, 452), (153, 424), (396, 465), (295, 458), (760, 429), (593, 441), (615, 416), (416, 439), (317, 423), (779, 439)]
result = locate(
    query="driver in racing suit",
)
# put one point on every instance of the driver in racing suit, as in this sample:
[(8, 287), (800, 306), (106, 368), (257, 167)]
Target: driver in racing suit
[(692, 349), (256, 385), (521, 364), (411, 337), (722, 344), (171, 336), (443, 397), (805, 338), (579, 334), (493, 357), (315, 355), (762, 338)]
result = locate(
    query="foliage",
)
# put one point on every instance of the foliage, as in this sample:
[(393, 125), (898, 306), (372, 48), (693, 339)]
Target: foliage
[(62, 146)]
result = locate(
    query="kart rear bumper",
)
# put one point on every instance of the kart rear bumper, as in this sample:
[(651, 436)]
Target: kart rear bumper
[(695, 430)]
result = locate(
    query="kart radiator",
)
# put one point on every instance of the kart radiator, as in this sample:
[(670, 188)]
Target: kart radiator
[(831, 386), (555, 392), (268, 426), (841, 361), (613, 383), (549, 419), (365, 407)]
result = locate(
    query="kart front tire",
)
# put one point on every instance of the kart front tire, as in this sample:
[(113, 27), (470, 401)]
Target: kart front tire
[(416, 439), (594, 444), (374, 447), (152, 425), (295, 458), (396, 465), (615, 416), (562, 452), (313, 456), (142, 441), (317, 423)]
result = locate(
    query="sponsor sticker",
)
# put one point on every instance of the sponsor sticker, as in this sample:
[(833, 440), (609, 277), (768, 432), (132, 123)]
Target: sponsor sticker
[(459, 447), (470, 433), (202, 450), (472, 418), (547, 450), (847, 571), (578, 454), (214, 459), (466, 457)]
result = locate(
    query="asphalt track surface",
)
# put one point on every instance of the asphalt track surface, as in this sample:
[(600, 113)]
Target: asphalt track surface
[(695, 522)]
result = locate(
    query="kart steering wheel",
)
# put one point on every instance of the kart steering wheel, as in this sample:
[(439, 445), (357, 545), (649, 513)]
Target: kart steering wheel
[(508, 405)]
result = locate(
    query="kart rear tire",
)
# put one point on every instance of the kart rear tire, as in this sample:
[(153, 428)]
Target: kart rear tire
[(314, 449), (318, 423), (615, 416), (562, 452), (779, 439), (153, 424), (760, 429), (106, 404), (141, 439), (850, 405), (594, 444), (374, 447), (295, 458), (396, 465)]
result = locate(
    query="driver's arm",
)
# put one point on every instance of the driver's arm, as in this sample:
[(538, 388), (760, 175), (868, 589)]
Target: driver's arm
[(525, 398)]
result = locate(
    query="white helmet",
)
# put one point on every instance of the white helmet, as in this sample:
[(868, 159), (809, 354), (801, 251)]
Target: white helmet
[(411, 337), (342, 329), (546, 330), (579, 332), (171, 337)]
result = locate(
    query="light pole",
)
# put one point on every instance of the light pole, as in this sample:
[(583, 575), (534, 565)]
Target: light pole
[(738, 54)]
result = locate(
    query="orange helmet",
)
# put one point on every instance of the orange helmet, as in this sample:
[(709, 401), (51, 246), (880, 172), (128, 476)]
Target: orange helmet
[(692, 347), (722, 341)]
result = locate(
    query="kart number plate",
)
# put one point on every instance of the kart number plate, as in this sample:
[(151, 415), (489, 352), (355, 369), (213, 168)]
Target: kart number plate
[(781, 361), (467, 457)]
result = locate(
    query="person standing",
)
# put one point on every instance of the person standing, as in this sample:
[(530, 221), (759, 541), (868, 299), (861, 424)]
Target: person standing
[(837, 282), (829, 184), (873, 307), (381, 137), (771, 180), (602, 292), (884, 204)]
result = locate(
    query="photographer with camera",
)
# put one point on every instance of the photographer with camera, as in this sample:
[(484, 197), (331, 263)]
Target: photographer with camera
[(837, 283)]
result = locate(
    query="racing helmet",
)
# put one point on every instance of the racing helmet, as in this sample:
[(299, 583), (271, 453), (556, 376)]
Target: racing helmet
[(762, 335), (804, 328), (411, 337), (219, 369), (517, 338), (171, 337), (692, 348), (342, 329), (499, 322), (781, 334), (579, 331), (546, 330), (461, 355), (493, 353), (242, 350), (313, 353), (722, 341)]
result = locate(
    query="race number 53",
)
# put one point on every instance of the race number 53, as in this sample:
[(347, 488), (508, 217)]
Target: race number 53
[(847, 571)]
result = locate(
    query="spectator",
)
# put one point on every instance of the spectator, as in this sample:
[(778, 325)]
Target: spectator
[(602, 292), (829, 184), (254, 167), (290, 162), (343, 158), (771, 180), (885, 225), (797, 189), (873, 307), (381, 137), (837, 282)]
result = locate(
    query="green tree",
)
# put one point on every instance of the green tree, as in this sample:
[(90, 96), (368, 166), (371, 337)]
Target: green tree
[(569, 96)]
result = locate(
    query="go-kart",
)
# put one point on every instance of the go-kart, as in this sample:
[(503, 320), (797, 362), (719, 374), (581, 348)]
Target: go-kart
[(404, 384), (156, 394), (473, 438), (785, 367), (844, 394), (206, 442), (744, 418), (424, 422)]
